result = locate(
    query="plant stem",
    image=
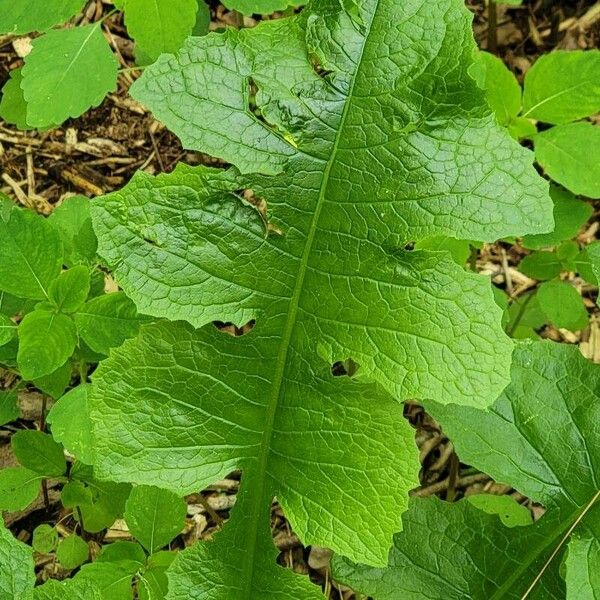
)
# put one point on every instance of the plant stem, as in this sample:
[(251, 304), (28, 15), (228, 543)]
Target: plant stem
[(492, 35)]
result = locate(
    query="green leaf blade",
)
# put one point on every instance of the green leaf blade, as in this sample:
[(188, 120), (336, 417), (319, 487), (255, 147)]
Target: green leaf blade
[(16, 573), (160, 26), (563, 305), (562, 86), (19, 487), (67, 72), (107, 321), (336, 284), (154, 516), (31, 253), (38, 452), (46, 341), (70, 289), (29, 15), (540, 437), (71, 424), (570, 154)]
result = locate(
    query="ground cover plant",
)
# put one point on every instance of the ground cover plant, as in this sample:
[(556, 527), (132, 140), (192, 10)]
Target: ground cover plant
[(230, 356)]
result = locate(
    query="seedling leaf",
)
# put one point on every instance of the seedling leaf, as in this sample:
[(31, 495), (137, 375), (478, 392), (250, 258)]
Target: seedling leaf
[(570, 155), (46, 341), (67, 72), (160, 26), (563, 86), (38, 452), (31, 253), (25, 16), (154, 516)]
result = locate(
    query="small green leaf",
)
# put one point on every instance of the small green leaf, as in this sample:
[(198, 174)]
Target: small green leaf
[(122, 551), (107, 321), (71, 424), (569, 216), (25, 16), (31, 253), (570, 154), (593, 254), (8, 329), (587, 263), (160, 26), (261, 7), (563, 86), (45, 538), (521, 128), (75, 493), (55, 383), (16, 567), (562, 305), (72, 552), (153, 583), (46, 341), (70, 289), (38, 452), (202, 19), (19, 487), (9, 411), (511, 513), (114, 579), (566, 253), (67, 72), (13, 108), (541, 265), (154, 516), (72, 218), (502, 90), (108, 499), (525, 311)]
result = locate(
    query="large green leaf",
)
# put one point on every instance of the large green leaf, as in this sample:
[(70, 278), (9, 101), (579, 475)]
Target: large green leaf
[(67, 72), (563, 86), (32, 15), (31, 254), (71, 589), (355, 157), (16, 566), (541, 437), (160, 25)]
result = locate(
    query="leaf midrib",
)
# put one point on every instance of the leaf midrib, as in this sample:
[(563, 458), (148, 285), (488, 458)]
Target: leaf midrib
[(260, 498)]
